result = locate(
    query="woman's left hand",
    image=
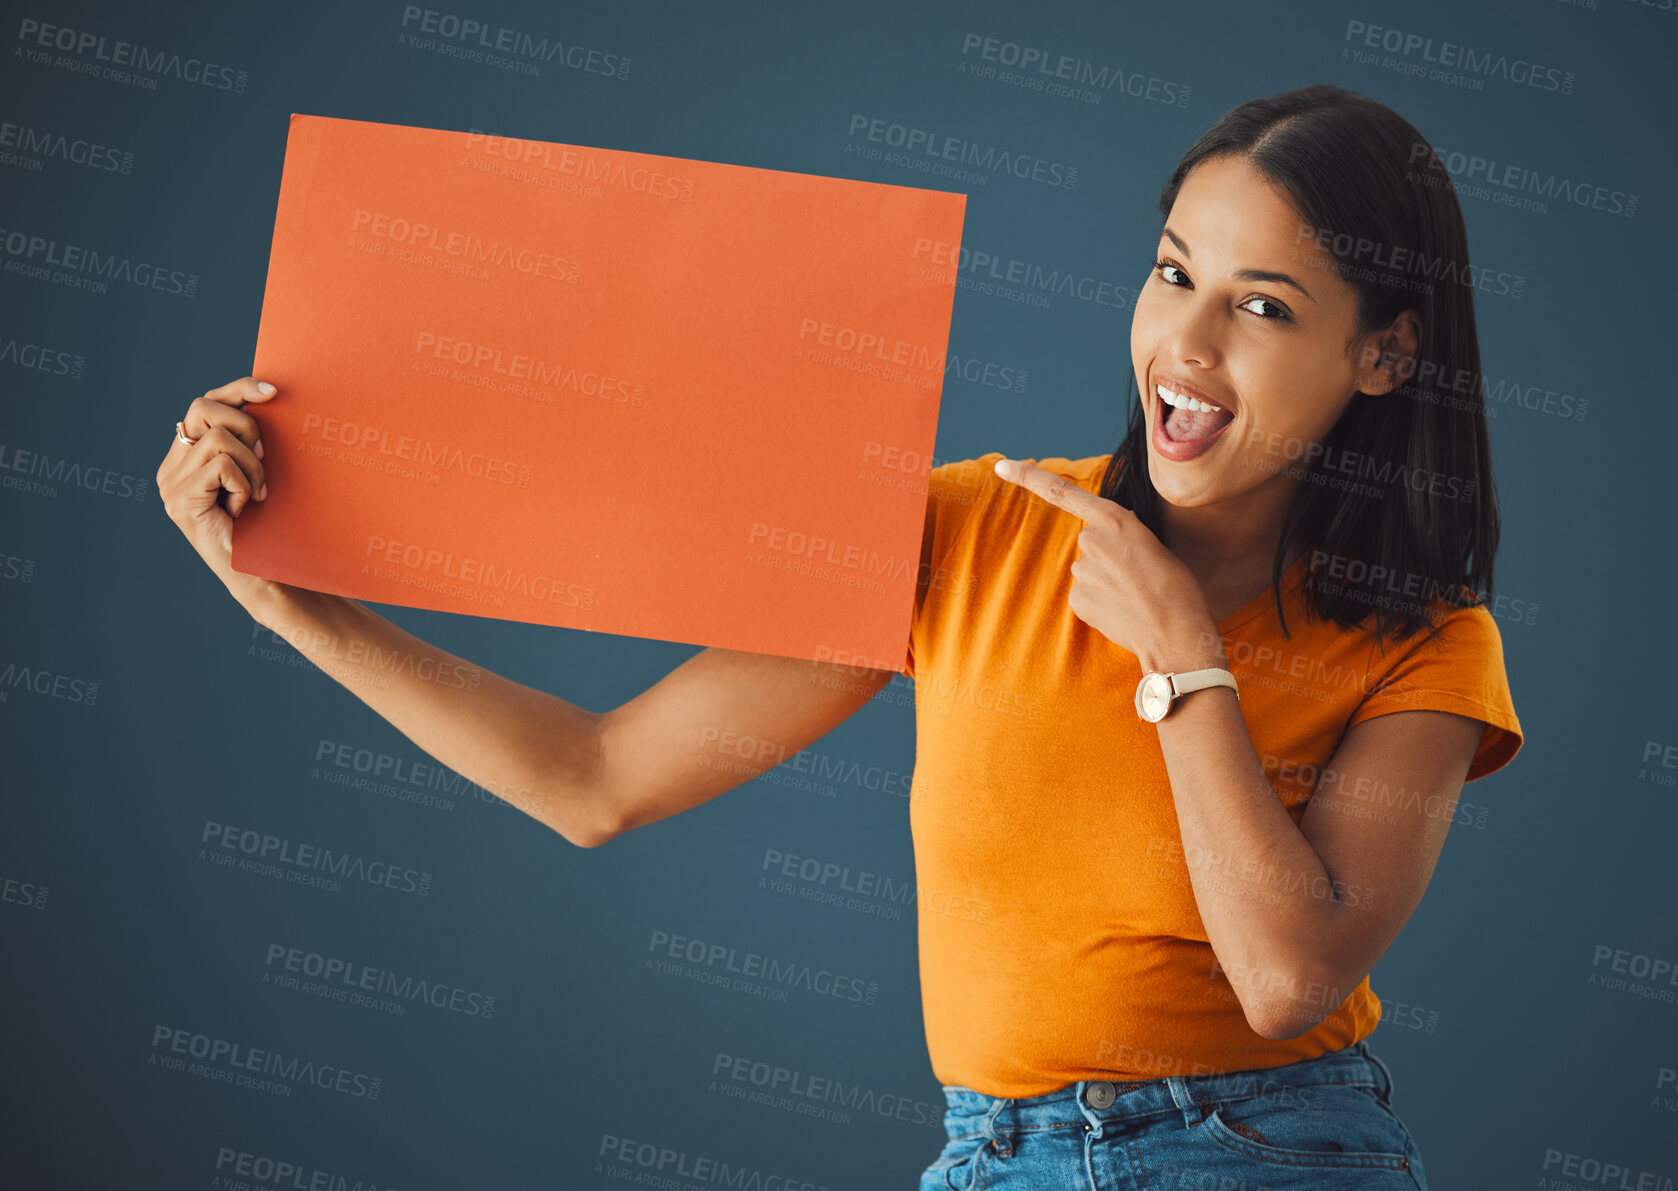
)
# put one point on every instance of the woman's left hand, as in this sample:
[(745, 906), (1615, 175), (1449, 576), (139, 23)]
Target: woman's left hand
[(1125, 584)]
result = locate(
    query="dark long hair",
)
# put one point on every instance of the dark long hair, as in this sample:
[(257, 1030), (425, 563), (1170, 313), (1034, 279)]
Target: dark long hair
[(1382, 212)]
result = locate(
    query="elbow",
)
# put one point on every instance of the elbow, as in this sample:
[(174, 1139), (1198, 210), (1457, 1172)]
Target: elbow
[(598, 816), (1294, 1006), (584, 838), (599, 829), (1277, 1024)]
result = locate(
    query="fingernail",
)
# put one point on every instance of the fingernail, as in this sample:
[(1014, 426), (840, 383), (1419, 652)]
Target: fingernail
[(266, 389), (262, 492), (1002, 466), (259, 451)]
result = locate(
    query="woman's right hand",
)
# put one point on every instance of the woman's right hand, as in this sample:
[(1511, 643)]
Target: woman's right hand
[(227, 458)]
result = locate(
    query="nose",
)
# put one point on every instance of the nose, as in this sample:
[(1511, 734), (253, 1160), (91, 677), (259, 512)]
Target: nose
[(1194, 333)]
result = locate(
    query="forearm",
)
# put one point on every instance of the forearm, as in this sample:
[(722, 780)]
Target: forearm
[(1267, 901), (527, 747)]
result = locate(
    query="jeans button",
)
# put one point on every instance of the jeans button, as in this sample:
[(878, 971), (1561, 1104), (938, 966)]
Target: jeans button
[(1099, 1094)]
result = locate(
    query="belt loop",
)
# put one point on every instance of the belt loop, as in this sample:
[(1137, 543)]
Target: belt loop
[(999, 1135), (1383, 1076), (1193, 1113)]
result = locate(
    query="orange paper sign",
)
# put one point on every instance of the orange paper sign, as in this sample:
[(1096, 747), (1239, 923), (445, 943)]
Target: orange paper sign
[(612, 391)]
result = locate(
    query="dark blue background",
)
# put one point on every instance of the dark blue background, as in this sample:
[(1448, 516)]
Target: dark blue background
[(1502, 1048)]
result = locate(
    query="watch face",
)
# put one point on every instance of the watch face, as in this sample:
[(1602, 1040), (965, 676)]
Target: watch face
[(1153, 699)]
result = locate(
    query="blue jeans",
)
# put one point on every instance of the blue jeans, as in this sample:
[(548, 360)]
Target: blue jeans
[(1322, 1123)]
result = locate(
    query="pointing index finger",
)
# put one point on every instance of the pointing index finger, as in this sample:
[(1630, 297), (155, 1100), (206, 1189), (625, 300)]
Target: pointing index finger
[(1057, 490)]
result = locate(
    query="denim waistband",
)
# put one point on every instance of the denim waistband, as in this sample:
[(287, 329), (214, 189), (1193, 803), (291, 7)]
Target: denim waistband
[(1100, 1102)]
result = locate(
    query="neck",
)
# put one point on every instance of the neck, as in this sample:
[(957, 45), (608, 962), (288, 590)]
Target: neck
[(1231, 543)]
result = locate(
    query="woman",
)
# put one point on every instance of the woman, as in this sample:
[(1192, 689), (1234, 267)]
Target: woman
[(1172, 985), (1183, 888)]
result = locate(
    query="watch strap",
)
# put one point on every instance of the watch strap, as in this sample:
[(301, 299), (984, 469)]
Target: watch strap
[(1198, 680)]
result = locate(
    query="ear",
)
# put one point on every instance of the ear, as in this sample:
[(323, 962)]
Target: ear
[(1386, 357)]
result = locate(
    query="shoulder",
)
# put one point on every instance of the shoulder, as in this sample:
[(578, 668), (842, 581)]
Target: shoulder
[(1459, 631), (968, 485), (1458, 668), (1463, 640)]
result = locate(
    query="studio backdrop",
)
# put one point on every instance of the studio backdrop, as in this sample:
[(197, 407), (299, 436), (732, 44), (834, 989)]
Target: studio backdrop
[(468, 999)]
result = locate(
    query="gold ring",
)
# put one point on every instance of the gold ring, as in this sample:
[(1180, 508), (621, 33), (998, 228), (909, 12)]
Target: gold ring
[(180, 434)]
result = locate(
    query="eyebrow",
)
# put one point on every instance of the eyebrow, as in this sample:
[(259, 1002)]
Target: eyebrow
[(1247, 274)]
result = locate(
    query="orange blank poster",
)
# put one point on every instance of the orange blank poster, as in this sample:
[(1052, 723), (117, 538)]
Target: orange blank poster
[(612, 391)]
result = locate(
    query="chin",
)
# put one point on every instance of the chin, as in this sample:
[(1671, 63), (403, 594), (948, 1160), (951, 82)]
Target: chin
[(1174, 492)]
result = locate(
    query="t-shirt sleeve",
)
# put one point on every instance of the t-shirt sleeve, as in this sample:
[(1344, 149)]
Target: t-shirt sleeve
[(1460, 670), (954, 490), (922, 573)]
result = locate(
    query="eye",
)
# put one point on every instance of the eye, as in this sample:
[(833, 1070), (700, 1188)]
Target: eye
[(1281, 311), (1162, 266)]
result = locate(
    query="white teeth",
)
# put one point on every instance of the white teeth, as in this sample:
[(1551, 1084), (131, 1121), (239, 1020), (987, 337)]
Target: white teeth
[(1189, 403)]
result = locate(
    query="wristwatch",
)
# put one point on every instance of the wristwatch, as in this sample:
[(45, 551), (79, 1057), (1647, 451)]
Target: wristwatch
[(1156, 692)]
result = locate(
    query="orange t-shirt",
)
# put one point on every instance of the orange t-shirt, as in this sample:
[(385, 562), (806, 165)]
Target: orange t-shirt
[(1059, 934)]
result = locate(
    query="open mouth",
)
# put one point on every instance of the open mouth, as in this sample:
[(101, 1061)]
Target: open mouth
[(1189, 418)]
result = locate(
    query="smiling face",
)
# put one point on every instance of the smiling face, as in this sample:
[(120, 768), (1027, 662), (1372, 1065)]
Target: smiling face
[(1245, 311)]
